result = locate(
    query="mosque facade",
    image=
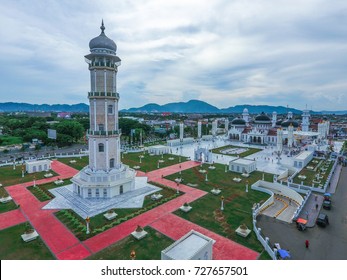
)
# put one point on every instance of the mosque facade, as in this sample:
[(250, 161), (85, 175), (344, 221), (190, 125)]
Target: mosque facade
[(262, 129)]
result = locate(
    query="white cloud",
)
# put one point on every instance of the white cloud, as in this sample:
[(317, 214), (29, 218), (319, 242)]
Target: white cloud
[(224, 52)]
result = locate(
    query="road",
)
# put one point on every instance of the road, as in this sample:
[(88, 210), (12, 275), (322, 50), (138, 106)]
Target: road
[(38, 153), (328, 243)]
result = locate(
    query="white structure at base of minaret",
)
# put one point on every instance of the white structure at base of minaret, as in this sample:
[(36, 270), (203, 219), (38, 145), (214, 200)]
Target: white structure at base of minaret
[(181, 131), (199, 129), (105, 176)]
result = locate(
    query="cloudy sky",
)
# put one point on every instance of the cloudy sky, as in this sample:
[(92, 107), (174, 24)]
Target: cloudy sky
[(225, 52)]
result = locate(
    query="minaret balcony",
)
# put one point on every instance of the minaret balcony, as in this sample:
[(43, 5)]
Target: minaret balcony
[(104, 132), (101, 94)]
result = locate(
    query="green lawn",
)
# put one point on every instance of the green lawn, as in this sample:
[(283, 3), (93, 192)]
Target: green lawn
[(249, 151), (9, 177), (206, 210), (14, 248), (148, 163), (79, 164), (310, 174), (41, 191), (10, 140), (148, 248), (5, 207)]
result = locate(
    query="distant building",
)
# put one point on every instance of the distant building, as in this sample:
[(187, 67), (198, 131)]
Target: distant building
[(64, 115)]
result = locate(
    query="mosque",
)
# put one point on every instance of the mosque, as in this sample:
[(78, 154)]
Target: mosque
[(263, 130)]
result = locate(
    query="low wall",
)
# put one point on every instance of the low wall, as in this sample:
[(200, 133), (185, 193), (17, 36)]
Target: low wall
[(281, 190), (265, 241)]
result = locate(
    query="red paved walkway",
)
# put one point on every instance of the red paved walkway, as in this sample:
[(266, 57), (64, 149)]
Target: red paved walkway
[(56, 236), (11, 218), (117, 233), (224, 249)]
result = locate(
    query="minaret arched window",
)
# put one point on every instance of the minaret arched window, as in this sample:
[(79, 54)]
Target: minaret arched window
[(101, 127), (110, 109), (112, 163), (101, 147)]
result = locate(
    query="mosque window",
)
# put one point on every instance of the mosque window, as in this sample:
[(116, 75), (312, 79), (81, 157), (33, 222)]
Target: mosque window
[(101, 127)]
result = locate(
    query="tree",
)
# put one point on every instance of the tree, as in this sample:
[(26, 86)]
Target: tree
[(70, 128)]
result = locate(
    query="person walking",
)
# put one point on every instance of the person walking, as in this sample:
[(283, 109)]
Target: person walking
[(316, 206), (307, 244)]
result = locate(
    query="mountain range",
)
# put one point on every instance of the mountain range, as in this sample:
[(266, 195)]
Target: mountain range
[(26, 107), (192, 106), (197, 106)]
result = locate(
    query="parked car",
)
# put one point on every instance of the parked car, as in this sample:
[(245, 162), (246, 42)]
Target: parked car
[(327, 204), (322, 220)]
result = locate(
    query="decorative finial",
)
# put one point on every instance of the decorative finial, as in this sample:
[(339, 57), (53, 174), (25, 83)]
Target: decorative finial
[(102, 27)]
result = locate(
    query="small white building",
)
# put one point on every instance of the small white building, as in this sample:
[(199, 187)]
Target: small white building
[(302, 159), (242, 165), (159, 149), (38, 166), (192, 246)]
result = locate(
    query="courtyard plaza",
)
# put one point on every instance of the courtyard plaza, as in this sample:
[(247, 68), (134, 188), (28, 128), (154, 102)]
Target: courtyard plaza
[(64, 245), (266, 159)]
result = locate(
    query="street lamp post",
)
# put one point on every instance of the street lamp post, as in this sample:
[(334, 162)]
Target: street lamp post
[(87, 223), (34, 181), (22, 171), (206, 179), (222, 203), (178, 188), (140, 159), (226, 167), (158, 164), (247, 186)]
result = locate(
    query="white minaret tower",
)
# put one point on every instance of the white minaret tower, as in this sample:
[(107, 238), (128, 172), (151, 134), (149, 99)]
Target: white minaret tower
[(226, 125), (290, 136), (181, 131), (305, 120), (279, 144), (327, 128), (321, 130), (274, 119), (214, 128), (245, 116), (105, 176), (199, 129), (279, 140)]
